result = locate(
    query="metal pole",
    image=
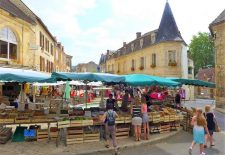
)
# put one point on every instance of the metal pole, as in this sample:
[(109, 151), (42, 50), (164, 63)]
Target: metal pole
[(86, 95)]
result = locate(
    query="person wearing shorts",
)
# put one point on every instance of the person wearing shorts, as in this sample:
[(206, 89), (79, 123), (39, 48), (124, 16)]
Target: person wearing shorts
[(136, 118)]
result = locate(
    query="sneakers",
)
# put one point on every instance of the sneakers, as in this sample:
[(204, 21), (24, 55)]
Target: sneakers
[(202, 153), (190, 151)]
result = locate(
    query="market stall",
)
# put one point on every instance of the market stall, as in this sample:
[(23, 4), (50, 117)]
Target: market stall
[(81, 124)]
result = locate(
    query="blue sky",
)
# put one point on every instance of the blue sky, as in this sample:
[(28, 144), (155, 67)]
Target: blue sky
[(88, 28)]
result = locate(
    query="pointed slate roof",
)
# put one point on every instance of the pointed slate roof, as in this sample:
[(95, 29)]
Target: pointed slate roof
[(219, 19), (168, 30)]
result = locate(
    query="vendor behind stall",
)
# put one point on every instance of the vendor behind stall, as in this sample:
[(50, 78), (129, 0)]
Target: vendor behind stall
[(110, 102), (125, 102), (178, 99)]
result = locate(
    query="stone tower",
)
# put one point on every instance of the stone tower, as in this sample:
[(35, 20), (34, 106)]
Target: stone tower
[(217, 28)]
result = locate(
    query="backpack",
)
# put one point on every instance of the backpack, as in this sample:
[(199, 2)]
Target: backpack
[(110, 118)]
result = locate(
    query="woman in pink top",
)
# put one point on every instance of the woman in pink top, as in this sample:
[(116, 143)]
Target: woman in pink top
[(145, 119)]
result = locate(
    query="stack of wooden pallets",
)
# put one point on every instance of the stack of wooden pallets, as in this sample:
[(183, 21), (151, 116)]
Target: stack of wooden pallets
[(75, 135), (42, 135), (91, 137)]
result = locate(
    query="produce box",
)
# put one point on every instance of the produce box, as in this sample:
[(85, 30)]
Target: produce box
[(22, 120), (172, 117), (119, 120), (127, 119), (166, 118), (87, 122), (64, 123)]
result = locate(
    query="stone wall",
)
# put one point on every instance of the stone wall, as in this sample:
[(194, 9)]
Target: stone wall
[(219, 31)]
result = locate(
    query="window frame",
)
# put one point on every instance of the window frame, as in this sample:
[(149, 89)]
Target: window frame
[(9, 38)]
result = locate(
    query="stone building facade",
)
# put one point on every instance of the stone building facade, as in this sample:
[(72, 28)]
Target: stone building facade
[(217, 28), (25, 40), (161, 52)]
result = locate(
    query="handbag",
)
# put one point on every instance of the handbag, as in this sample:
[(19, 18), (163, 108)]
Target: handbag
[(217, 128)]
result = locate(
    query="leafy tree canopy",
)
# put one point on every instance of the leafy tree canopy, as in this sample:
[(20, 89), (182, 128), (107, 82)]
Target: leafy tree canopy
[(201, 51)]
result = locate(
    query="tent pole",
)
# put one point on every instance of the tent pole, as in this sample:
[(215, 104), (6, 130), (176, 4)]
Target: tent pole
[(86, 95)]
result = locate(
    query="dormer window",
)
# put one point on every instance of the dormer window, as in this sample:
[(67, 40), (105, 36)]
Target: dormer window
[(141, 42), (153, 38), (132, 47)]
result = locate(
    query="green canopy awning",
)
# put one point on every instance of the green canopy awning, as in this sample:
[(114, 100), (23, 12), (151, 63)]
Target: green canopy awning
[(104, 77), (193, 82), (147, 80), (19, 75)]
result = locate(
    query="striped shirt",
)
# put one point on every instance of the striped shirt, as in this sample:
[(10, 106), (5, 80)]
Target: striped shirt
[(136, 111)]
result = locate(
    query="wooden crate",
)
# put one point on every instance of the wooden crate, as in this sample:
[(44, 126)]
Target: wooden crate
[(165, 128), (122, 132), (76, 123), (177, 118), (9, 120), (63, 124), (87, 122), (172, 118), (155, 129), (91, 137), (127, 119), (1, 120), (156, 118), (166, 118), (22, 120), (120, 120), (74, 135), (53, 133), (42, 135)]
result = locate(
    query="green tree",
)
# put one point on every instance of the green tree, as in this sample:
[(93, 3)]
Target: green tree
[(201, 51)]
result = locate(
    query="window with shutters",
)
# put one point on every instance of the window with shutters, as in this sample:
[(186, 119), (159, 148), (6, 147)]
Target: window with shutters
[(132, 65), (40, 37), (51, 49), (153, 60)]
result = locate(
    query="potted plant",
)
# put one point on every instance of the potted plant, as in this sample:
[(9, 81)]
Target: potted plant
[(172, 63), (132, 69), (141, 67), (118, 71), (153, 65)]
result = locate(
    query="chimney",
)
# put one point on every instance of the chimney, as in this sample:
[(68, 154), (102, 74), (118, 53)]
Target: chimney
[(138, 34), (124, 44)]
